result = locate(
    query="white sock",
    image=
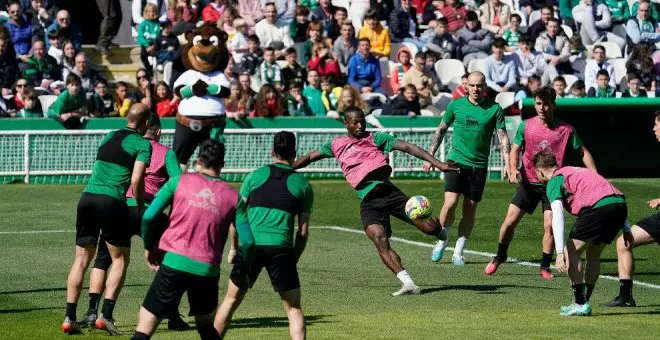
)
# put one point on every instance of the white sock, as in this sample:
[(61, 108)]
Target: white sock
[(404, 277), (461, 242)]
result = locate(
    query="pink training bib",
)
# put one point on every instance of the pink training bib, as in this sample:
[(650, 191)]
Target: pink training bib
[(586, 187), (539, 137), (358, 157)]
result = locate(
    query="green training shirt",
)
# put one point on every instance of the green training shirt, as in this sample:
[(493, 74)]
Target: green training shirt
[(113, 179), (556, 191), (270, 226), (173, 170), (473, 130), (385, 142)]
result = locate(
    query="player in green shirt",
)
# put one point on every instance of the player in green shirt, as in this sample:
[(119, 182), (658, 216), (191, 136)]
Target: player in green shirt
[(275, 195), (121, 162), (474, 117)]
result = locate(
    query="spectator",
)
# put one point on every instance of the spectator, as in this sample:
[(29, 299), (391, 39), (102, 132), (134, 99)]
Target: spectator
[(252, 59), (500, 70), (148, 31), (364, 69), (559, 85), (331, 93), (641, 29), (166, 103), (529, 63), (269, 103), (121, 102), (474, 41), (314, 35), (71, 105), (213, 11), (271, 32), (566, 11), (8, 67), (602, 89), (299, 26), (385, 7), (41, 69), (403, 24), (350, 97), (425, 83), (461, 90), (269, 70), (442, 44), (595, 20), (528, 6), (333, 28), (56, 41), (533, 84), (430, 67), (396, 76), (182, 17), (577, 48), (251, 11), (166, 46), (634, 90), (655, 13), (68, 58), (88, 75), (296, 102), (101, 103), (237, 104), (325, 14), (238, 44), (620, 15), (66, 28), (144, 93), (512, 33), (20, 31), (377, 35), (640, 63), (31, 109), (358, 10), (230, 70), (246, 83), (285, 9), (226, 21), (345, 46), (112, 15), (406, 102), (578, 90), (293, 72), (314, 94), (455, 13), (596, 64), (137, 9), (21, 89), (323, 62), (41, 16), (536, 28), (555, 48), (494, 16)]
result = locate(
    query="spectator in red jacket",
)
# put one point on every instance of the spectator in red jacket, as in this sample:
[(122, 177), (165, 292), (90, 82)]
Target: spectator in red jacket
[(455, 13), (166, 103), (182, 17), (213, 11), (323, 62)]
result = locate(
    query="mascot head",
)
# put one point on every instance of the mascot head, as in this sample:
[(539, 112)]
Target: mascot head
[(206, 49)]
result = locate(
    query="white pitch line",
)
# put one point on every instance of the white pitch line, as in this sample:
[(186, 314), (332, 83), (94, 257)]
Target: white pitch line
[(35, 232), (472, 252)]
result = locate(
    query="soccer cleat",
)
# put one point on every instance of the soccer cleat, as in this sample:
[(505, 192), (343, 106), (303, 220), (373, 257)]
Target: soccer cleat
[(408, 289), (620, 301), (491, 268), (458, 260), (88, 320), (108, 325), (576, 310), (176, 323), (438, 251), (71, 327), (546, 273)]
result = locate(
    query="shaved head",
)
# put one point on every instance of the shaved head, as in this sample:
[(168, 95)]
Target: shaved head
[(138, 117), (477, 76), (476, 82)]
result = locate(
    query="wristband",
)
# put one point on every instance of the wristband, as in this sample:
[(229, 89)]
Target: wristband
[(213, 89), (186, 92)]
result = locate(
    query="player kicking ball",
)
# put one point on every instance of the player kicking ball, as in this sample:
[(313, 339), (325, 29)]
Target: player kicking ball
[(362, 157), (601, 211), (644, 232), (544, 131)]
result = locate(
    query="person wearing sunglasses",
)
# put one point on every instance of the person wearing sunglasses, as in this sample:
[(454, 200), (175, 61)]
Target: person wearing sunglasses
[(20, 30)]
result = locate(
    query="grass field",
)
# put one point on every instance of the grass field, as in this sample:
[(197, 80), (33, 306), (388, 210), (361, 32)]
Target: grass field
[(345, 286)]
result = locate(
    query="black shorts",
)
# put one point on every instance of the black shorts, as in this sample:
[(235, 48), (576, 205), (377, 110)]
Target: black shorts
[(105, 216), (187, 140), (528, 196), (383, 201), (600, 225), (164, 295), (469, 182), (651, 225), (280, 263)]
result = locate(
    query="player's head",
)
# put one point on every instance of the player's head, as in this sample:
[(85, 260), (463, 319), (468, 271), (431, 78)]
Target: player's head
[(656, 126), (475, 86), (138, 118), (355, 122), (545, 164), (153, 128), (544, 102), (284, 146), (211, 156)]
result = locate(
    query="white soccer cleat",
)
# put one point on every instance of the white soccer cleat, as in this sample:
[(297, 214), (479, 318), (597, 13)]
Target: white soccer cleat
[(408, 289)]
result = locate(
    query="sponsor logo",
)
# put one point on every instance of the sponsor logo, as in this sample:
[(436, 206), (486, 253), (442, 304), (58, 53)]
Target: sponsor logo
[(204, 199)]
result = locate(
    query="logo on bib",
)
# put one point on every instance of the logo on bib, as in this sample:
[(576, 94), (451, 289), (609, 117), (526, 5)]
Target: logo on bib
[(204, 199)]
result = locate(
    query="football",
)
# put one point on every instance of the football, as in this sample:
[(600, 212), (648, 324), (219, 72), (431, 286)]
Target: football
[(418, 208)]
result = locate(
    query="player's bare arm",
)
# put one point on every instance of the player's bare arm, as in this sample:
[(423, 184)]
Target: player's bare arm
[(308, 159), (137, 183), (302, 235), (514, 157), (420, 153), (438, 136), (587, 159), (505, 149)]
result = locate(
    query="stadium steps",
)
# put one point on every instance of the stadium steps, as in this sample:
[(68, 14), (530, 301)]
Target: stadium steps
[(120, 65)]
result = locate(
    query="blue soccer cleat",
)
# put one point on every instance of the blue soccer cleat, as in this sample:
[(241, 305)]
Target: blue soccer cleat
[(576, 310), (438, 251), (458, 260)]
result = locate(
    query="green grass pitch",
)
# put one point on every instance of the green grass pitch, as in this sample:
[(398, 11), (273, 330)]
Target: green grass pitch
[(345, 286)]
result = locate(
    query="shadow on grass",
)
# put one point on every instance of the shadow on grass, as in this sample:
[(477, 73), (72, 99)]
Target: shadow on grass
[(615, 274), (275, 321), (480, 289), (648, 312), (58, 289), (27, 310)]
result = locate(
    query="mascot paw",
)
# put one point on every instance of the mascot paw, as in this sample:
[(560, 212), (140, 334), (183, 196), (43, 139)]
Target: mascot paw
[(199, 88)]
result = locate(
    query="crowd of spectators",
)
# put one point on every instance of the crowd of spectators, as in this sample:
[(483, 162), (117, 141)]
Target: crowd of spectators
[(314, 57)]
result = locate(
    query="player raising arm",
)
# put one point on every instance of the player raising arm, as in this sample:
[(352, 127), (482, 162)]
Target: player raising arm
[(362, 157)]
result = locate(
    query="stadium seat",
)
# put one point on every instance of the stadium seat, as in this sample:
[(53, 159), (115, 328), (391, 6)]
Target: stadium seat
[(618, 94), (619, 69), (284, 63), (368, 96), (523, 21), (426, 113), (167, 72), (505, 99), (386, 66), (413, 49), (570, 79), (568, 31), (477, 65), (298, 47), (453, 84), (579, 65), (534, 17), (442, 100), (449, 70), (46, 101)]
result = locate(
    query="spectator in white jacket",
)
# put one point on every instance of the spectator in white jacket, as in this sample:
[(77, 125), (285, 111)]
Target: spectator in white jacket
[(271, 33), (528, 62), (596, 64), (285, 9), (595, 21)]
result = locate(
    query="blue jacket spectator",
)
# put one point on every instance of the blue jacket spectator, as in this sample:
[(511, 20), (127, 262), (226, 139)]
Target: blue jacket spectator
[(19, 29), (70, 30), (364, 68)]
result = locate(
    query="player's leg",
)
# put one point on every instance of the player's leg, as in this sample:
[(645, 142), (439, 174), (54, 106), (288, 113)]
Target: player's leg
[(579, 307), (203, 300), (379, 236), (280, 264), (513, 216), (242, 276), (293, 309), (101, 265), (472, 189), (163, 297), (547, 245), (447, 215), (592, 268), (147, 324)]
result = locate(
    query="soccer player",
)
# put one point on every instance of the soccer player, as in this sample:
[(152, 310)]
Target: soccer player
[(646, 231), (474, 118), (601, 212), (544, 131), (362, 157), (163, 166), (274, 194), (120, 162), (203, 208)]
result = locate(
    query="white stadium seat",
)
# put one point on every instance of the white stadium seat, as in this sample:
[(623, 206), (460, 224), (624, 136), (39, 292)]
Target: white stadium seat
[(477, 65), (442, 100), (619, 69), (46, 101), (568, 31), (449, 70), (570, 79), (505, 99)]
